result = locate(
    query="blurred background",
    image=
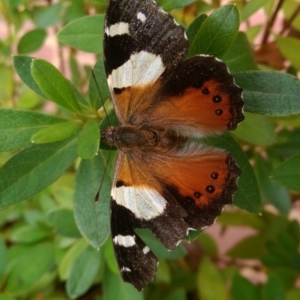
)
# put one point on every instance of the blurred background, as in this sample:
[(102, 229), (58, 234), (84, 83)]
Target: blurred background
[(242, 256)]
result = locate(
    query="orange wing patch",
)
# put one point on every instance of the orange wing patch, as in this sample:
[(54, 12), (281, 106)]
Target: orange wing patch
[(199, 97), (207, 109), (200, 180), (202, 184), (129, 102)]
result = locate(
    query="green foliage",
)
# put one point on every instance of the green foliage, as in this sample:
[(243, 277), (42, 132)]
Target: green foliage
[(216, 33), (88, 140), (54, 86), (31, 41), (270, 93), (56, 244), (85, 34), (210, 282), (93, 216)]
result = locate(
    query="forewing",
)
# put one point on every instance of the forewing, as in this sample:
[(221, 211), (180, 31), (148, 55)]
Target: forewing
[(198, 98), (141, 41)]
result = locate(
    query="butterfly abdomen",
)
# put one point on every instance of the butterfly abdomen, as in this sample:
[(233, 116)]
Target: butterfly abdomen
[(143, 138)]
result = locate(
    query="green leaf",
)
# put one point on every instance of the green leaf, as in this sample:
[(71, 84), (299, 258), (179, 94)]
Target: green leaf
[(100, 75), (194, 27), (273, 192), (3, 258), (115, 288), (257, 130), (288, 121), (292, 294), (32, 41), (288, 173), (7, 297), (210, 284), (168, 5), (6, 85), (83, 272), (158, 248), (55, 133), (269, 8), (288, 143), (74, 69), (28, 99), (29, 267), (110, 120), (270, 93), (77, 9), (241, 218), (274, 288), (253, 31), (208, 244), (93, 217), (62, 193), (46, 16), (289, 47), (251, 7), (35, 217), (289, 8), (33, 169), (70, 257), (88, 140), (17, 127), (247, 195), (178, 294), (192, 235), (282, 250), (240, 55), (163, 273), (242, 289), (85, 34), (249, 248), (54, 85), (28, 234), (63, 221), (217, 32), (110, 257), (22, 66)]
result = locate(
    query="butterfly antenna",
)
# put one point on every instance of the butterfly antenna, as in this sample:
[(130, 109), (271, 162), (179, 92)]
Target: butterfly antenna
[(99, 91), (104, 173), (109, 154)]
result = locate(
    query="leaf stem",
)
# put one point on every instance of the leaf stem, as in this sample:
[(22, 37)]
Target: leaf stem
[(271, 22)]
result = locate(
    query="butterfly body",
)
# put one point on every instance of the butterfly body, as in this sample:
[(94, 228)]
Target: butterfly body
[(163, 180), (143, 138)]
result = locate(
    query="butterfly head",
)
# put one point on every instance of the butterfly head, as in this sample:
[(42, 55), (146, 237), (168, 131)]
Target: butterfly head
[(108, 135)]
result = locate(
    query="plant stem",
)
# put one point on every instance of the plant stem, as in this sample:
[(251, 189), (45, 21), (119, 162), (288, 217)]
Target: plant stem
[(290, 20), (271, 22)]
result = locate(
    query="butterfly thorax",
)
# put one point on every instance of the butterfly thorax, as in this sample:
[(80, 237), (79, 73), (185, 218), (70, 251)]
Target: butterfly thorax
[(143, 138)]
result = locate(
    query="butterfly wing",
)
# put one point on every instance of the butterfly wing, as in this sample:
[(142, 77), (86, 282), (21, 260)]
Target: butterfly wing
[(169, 194), (199, 97), (140, 42), (136, 204), (137, 264)]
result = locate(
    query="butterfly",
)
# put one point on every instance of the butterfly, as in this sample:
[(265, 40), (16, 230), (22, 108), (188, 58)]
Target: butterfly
[(163, 181)]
